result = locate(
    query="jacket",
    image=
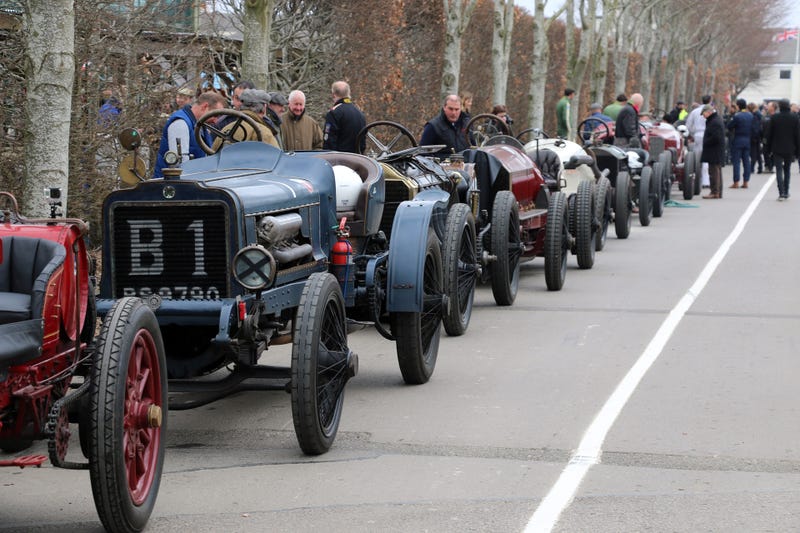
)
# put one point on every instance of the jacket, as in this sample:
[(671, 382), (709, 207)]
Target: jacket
[(741, 124), (185, 114), (301, 133), (342, 125), (783, 134), (626, 128), (714, 140), (245, 132), (453, 135)]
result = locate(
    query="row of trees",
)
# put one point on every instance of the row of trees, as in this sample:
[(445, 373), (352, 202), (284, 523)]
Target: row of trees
[(400, 57)]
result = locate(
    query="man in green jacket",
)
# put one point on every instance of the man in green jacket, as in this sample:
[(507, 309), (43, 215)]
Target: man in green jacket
[(299, 131), (613, 109), (563, 129)]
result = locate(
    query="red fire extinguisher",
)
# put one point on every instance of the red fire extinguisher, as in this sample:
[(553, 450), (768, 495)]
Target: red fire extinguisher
[(342, 259)]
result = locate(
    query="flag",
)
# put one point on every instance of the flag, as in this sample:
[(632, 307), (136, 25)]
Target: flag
[(786, 35)]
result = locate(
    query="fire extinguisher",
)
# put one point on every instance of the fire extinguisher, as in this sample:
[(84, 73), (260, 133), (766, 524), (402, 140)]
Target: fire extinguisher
[(342, 260)]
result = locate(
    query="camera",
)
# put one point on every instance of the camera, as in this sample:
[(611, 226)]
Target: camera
[(52, 195), (509, 120)]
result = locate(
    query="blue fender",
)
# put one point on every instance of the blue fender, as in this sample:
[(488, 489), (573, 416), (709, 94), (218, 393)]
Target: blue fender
[(407, 247)]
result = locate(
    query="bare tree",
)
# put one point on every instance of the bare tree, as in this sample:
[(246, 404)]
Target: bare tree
[(256, 40), (501, 47), (49, 30), (457, 14), (541, 50)]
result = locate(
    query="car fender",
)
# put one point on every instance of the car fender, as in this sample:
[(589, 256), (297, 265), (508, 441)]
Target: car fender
[(407, 247)]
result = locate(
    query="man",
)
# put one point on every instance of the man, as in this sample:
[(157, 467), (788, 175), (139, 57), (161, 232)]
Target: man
[(696, 125), (449, 128), (713, 149), (741, 124), (184, 97), (594, 120), (274, 116), (772, 108), (236, 103), (613, 109), (756, 138), (253, 103), (626, 129), (783, 142), (178, 133), (563, 124), (343, 122), (299, 131), (677, 113)]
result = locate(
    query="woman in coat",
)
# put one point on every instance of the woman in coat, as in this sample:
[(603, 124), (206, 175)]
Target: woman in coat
[(713, 150)]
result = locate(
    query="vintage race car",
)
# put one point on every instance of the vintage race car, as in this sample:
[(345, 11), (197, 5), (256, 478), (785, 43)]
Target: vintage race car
[(252, 247), (54, 372)]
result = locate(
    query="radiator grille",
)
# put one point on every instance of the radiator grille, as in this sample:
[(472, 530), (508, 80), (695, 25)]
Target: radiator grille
[(175, 251), (396, 193)]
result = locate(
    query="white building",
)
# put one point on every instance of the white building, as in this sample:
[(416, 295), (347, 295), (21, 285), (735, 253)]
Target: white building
[(779, 73)]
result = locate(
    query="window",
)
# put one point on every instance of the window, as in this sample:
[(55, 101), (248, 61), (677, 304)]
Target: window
[(785, 75)]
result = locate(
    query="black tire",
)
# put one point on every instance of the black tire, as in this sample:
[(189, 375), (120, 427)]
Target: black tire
[(556, 242), (658, 190), (417, 334), (698, 175), (666, 162), (585, 229), (505, 242), (126, 448), (602, 214), (645, 199), (320, 362), (622, 206), (689, 176), (460, 265)]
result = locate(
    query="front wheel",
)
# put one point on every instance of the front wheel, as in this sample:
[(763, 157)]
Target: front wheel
[(460, 268), (556, 242), (645, 200), (689, 176), (128, 416), (622, 206), (417, 333), (321, 363), (602, 212)]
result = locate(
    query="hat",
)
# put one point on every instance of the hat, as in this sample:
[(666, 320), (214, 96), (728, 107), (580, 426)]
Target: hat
[(595, 105), (186, 91), (254, 96), (278, 98), (680, 102), (706, 108)]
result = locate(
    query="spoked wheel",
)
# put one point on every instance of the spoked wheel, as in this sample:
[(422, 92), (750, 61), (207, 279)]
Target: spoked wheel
[(231, 134), (657, 194), (645, 199), (321, 363), (128, 420), (384, 137), (417, 334), (556, 242), (585, 229), (622, 206), (506, 247), (602, 211), (483, 127), (689, 176), (460, 268)]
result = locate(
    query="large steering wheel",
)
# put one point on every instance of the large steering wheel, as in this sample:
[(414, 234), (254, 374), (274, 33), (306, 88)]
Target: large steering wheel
[(384, 138), (595, 136), (535, 133), (411, 152), (230, 133), (483, 127)]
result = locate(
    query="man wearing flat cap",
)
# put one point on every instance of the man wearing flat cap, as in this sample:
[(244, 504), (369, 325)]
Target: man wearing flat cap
[(596, 117), (714, 140), (184, 97), (253, 104), (274, 116)]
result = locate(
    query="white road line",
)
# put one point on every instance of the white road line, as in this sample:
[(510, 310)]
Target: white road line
[(590, 448)]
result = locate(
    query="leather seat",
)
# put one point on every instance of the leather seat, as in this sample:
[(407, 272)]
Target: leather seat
[(25, 271), (550, 165)]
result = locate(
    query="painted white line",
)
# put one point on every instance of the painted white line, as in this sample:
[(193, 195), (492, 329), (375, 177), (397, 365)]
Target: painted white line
[(590, 448)]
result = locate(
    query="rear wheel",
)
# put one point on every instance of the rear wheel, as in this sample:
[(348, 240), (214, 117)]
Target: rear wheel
[(689, 176), (128, 416), (417, 334), (556, 242), (622, 206), (585, 229), (460, 268), (320, 363), (645, 201), (658, 189), (602, 212), (506, 247), (698, 175)]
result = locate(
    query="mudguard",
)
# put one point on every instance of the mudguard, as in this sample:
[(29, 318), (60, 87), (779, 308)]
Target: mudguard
[(407, 247)]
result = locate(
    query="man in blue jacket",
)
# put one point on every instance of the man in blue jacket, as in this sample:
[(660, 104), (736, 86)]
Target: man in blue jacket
[(741, 124)]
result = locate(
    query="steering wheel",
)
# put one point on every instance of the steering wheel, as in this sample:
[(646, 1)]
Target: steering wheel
[(410, 152), (535, 133), (594, 136), (483, 127), (384, 138), (229, 134)]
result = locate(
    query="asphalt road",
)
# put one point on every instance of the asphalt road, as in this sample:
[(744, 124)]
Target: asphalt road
[(706, 438)]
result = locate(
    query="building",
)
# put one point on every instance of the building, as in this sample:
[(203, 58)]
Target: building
[(779, 73)]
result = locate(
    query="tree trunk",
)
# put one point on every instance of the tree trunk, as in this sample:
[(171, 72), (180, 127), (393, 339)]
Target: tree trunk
[(540, 56), (603, 46), (501, 47), (621, 53), (581, 62), (456, 20), (49, 30), (257, 25)]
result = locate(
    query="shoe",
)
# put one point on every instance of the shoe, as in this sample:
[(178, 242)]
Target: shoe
[(780, 198), (744, 185), (735, 185), (712, 196)]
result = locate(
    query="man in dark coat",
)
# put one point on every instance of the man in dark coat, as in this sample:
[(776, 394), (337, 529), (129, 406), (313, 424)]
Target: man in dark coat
[(626, 129), (343, 122), (741, 124), (713, 150), (783, 142), (449, 128)]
